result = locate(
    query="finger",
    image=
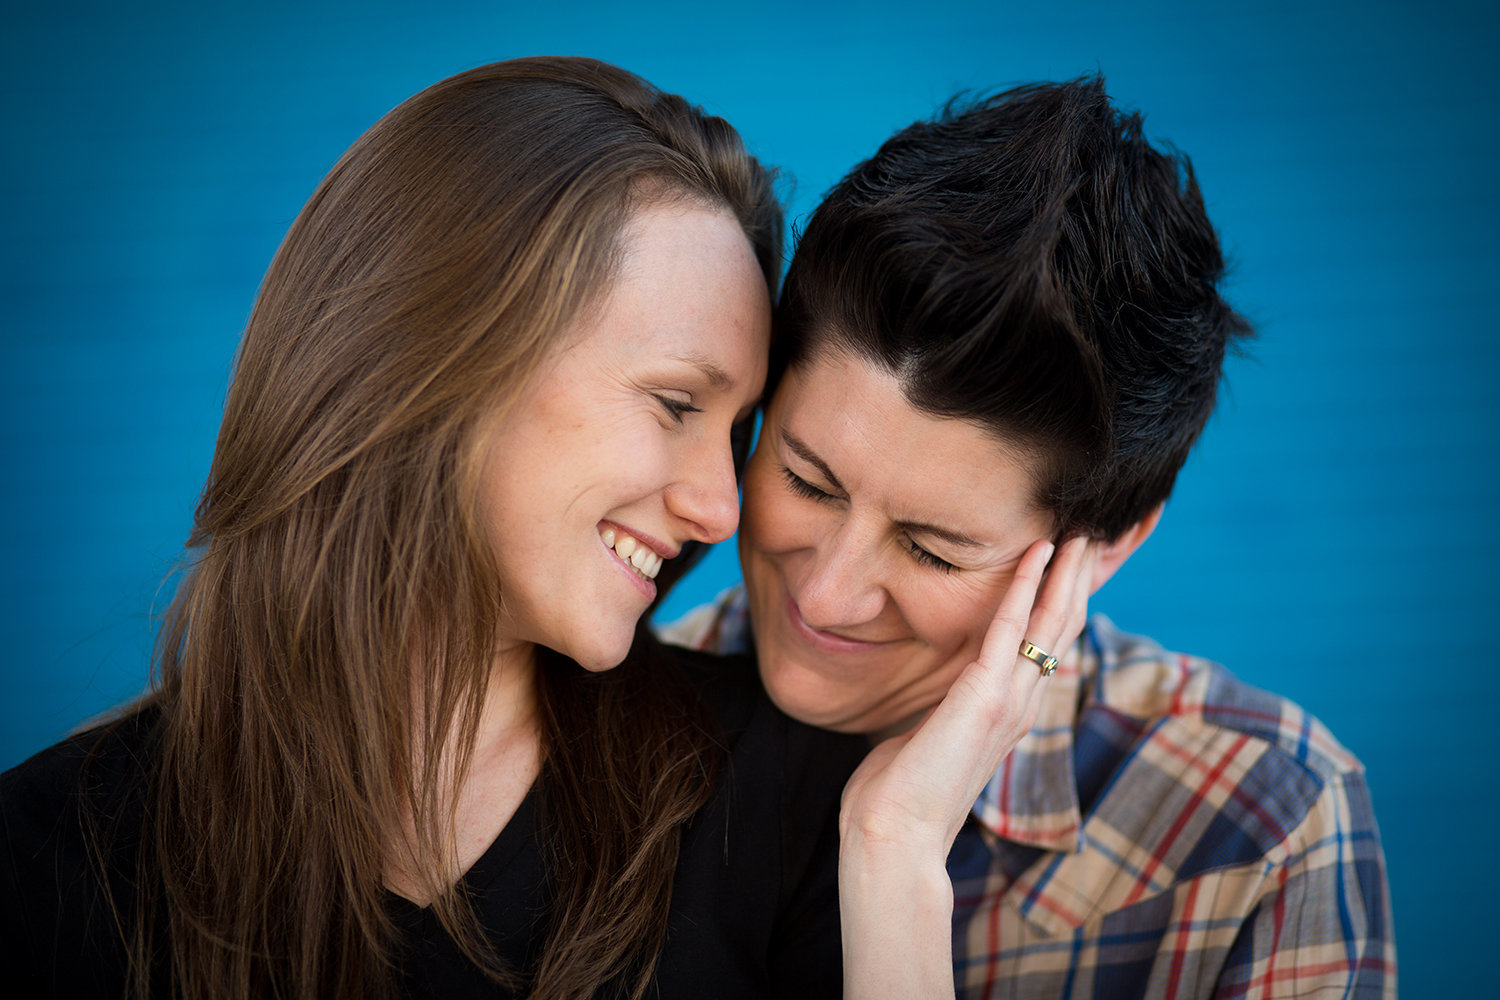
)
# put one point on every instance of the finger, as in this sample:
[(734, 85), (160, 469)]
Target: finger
[(1078, 613), (1061, 583), (1003, 637), (994, 696), (1060, 612), (993, 687), (1058, 601), (1067, 587), (991, 704)]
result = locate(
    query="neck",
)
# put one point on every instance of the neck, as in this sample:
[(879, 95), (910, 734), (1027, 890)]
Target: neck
[(510, 697), (503, 764)]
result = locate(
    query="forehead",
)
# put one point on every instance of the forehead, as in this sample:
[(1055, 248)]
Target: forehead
[(886, 453), (687, 288)]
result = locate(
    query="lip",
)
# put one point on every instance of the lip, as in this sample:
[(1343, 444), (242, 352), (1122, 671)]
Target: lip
[(646, 588), (661, 548), (822, 640)]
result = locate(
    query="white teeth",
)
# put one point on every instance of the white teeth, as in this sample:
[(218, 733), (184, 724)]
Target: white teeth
[(639, 556)]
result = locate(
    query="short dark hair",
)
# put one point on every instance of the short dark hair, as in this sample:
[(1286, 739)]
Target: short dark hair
[(1033, 264)]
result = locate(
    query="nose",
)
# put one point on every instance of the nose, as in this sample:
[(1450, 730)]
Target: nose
[(706, 494), (841, 584)]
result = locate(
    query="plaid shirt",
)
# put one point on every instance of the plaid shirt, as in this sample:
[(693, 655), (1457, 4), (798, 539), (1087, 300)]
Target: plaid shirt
[(1164, 830)]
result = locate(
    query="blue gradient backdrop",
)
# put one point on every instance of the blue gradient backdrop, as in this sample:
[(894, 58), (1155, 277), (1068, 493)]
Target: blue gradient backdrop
[(1331, 539)]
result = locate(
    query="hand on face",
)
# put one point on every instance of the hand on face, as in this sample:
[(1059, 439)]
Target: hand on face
[(916, 789), (878, 540)]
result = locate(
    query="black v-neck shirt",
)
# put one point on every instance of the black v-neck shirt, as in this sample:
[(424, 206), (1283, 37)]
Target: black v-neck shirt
[(754, 905)]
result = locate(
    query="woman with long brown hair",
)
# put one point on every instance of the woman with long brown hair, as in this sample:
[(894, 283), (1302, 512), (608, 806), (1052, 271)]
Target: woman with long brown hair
[(483, 409)]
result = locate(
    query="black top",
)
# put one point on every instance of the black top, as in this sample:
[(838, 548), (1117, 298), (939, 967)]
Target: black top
[(754, 905)]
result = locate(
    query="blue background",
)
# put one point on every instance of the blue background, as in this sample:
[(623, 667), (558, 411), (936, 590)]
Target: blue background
[(1331, 539)]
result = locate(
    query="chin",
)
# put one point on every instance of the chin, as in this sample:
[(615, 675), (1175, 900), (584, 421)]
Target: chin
[(803, 705), (597, 659), (596, 649), (810, 704)]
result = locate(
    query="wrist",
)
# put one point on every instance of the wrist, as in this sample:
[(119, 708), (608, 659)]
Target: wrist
[(896, 910), (867, 863)]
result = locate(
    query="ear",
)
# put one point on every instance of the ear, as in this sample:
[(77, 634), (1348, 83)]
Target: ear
[(1112, 555)]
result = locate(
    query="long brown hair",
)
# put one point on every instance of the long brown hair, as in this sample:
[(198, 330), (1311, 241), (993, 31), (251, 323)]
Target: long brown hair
[(336, 546)]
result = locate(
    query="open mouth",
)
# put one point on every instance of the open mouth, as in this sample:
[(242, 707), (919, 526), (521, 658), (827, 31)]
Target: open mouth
[(632, 551)]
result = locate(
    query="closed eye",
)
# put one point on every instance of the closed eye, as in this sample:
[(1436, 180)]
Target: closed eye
[(925, 558), (675, 408), (805, 489), (802, 488)]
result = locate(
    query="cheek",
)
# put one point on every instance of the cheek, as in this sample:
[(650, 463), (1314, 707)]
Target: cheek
[(633, 462), (953, 620), (645, 472), (768, 521)]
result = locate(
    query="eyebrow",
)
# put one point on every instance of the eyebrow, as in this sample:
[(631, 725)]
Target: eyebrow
[(717, 377), (951, 537), (799, 447)]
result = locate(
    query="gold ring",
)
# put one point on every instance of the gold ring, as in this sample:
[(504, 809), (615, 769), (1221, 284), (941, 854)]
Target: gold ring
[(1040, 657)]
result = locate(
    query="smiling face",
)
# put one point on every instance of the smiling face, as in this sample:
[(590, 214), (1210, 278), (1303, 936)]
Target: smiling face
[(618, 452), (878, 540)]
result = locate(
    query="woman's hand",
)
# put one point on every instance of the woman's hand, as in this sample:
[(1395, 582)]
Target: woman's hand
[(920, 785), (906, 802)]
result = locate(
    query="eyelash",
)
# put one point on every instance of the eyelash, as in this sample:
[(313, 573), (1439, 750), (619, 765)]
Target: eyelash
[(675, 408), (805, 489), (929, 560), (802, 488)]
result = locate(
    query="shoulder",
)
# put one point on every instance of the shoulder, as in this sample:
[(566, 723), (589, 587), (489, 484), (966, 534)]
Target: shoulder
[(1141, 678), (1248, 776), (102, 767), (66, 814), (1190, 777)]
